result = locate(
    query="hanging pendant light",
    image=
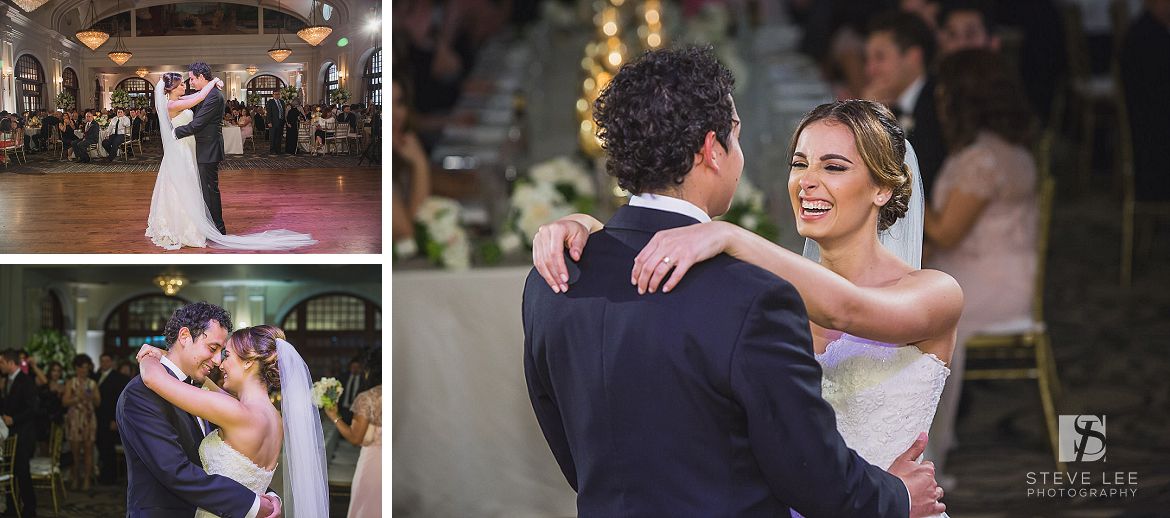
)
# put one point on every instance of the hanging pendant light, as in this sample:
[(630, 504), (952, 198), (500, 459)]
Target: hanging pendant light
[(92, 36), (29, 5), (141, 72), (314, 33), (252, 69), (279, 51), (120, 54)]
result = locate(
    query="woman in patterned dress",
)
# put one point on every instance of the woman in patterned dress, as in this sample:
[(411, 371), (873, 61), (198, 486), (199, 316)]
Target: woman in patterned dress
[(81, 398)]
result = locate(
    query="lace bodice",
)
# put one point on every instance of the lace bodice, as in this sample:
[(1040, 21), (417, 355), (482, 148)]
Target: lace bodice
[(369, 404), (219, 458), (182, 118), (883, 395)]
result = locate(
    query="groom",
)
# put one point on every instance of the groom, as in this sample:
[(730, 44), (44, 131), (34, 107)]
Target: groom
[(207, 126), (705, 401), (166, 477)]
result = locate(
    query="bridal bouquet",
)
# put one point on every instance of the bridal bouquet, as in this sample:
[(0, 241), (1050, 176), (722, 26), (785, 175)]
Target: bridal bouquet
[(747, 211), (439, 233), (326, 392), (555, 188)]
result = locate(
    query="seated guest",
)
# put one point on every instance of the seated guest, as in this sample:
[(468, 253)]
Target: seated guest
[(119, 128), (49, 121), (292, 121), (981, 219), (258, 122), (965, 24), (321, 125), (245, 123), (898, 53), (135, 129), (67, 128), (90, 134), (1145, 76), (348, 117), (411, 181)]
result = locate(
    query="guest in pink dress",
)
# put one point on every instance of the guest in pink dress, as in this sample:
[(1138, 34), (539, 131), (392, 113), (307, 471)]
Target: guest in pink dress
[(982, 221), (365, 430), (245, 124)]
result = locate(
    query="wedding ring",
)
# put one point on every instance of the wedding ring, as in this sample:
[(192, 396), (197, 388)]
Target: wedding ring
[(666, 260)]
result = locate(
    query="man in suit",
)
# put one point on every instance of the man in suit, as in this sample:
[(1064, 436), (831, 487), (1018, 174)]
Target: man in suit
[(275, 111), (19, 414), (90, 136), (704, 401), (110, 385), (348, 117), (166, 478), (135, 129), (1145, 76), (207, 126), (350, 389), (119, 128), (898, 52)]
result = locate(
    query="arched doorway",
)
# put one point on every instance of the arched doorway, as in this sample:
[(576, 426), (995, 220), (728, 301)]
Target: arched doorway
[(140, 320), (332, 328), (372, 77), (138, 88), (71, 86), (330, 84), (264, 85), (30, 84)]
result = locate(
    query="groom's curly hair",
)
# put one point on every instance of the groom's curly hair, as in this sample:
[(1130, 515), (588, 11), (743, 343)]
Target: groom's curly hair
[(200, 68), (196, 318), (258, 344)]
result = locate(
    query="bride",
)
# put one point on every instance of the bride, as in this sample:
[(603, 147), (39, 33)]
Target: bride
[(178, 215), (883, 329), (247, 446)]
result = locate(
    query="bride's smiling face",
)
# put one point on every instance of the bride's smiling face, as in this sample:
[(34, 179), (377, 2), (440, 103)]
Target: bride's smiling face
[(234, 370), (830, 187)]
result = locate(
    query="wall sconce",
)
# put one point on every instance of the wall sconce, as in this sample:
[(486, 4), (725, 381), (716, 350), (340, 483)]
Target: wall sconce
[(7, 72)]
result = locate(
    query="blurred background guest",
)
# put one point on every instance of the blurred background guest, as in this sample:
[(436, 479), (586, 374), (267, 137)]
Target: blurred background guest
[(965, 24), (981, 222), (81, 399), (50, 391), (19, 415), (292, 121), (351, 387), (110, 383), (411, 166), (1145, 71), (366, 431)]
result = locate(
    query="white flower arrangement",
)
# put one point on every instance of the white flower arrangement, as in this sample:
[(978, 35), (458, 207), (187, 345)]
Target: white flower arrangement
[(748, 211), (326, 392), (554, 189), (439, 232)]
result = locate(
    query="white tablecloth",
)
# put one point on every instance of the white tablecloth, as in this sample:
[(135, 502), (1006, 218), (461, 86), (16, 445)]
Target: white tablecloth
[(465, 439), (233, 143)]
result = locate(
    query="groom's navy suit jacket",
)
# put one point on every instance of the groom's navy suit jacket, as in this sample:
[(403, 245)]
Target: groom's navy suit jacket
[(705, 401), (207, 126), (166, 477)]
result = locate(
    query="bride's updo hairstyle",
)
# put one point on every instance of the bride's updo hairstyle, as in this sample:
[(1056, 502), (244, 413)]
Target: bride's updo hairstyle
[(882, 145), (258, 344), (171, 81)]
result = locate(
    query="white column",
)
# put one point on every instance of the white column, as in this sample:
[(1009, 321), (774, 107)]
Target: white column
[(80, 319)]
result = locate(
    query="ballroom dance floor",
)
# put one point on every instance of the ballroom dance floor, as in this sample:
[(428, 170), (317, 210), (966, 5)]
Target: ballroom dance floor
[(105, 212)]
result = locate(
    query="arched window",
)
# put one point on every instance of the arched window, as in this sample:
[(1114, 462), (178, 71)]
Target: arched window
[(330, 329), (373, 78), (71, 86), (264, 86), (30, 84), (52, 316), (138, 88), (138, 321), (330, 83)]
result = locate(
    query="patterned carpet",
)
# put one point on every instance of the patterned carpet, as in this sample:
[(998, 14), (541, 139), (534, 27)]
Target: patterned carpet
[(48, 162)]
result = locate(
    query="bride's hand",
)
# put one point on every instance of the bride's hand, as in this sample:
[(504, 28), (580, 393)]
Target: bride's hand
[(677, 250), (548, 250), (149, 351)]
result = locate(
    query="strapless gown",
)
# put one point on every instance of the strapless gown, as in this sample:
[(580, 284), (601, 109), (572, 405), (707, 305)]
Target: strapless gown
[(219, 458)]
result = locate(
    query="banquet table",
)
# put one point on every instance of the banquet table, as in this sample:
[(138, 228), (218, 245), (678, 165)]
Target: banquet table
[(465, 439), (233, 142)]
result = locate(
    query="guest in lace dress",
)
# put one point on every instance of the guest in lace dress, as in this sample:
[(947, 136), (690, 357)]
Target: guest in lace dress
[(82, 398), (981, 222), (365, 430)]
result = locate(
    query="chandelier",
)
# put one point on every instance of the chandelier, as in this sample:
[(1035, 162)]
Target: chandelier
[(141, 72), (170, 284), (279, 51), (314, 34), (29, 5), (252, 69), (120, 54), (92, 36)]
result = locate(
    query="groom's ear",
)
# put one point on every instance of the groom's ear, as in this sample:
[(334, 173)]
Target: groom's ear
[(184, 336)]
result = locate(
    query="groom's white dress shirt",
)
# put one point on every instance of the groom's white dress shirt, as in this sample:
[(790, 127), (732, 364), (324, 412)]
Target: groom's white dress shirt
[(686, 208), (170, 365), (669, 204)]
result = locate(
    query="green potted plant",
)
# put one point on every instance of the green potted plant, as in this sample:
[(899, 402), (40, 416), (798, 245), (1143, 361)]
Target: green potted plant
[(50, 345), (253, 99), (65, 101), (339, 96), (120, 99)]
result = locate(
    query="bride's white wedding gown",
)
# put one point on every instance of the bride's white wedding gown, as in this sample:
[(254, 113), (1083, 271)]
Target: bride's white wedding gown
[(178, 215), (883, 395), (219, 458)]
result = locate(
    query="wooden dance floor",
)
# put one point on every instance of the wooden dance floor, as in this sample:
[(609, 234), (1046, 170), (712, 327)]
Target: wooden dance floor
[(106, 212)]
